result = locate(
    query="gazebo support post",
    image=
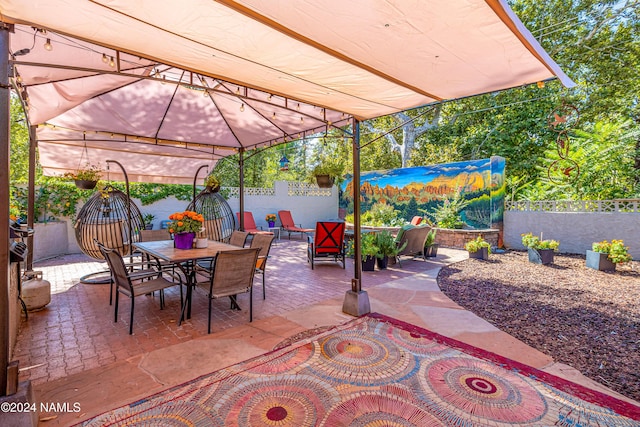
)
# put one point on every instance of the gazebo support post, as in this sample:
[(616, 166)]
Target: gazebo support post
[(31, 198), (356, 301), (241, 195), (10, 390)]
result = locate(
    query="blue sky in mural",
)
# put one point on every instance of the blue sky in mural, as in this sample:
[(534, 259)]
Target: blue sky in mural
[(404, 176)]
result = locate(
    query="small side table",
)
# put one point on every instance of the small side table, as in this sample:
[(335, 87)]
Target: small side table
[(276, 232)]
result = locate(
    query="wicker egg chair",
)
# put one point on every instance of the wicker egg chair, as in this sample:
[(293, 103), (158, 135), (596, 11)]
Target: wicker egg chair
[(219, 221), (110, 217)]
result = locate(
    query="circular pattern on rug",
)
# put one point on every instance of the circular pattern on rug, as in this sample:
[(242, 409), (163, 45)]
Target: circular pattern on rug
[(412, 341), (284, 400), (284, 361), (481, 389), (169, 414), (360, 358), (378, 408)]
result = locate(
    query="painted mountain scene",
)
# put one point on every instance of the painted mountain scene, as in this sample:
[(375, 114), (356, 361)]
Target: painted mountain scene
[(421, 190)]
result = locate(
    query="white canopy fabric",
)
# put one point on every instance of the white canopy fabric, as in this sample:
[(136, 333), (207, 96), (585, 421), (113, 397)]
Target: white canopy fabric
[(164, 86)]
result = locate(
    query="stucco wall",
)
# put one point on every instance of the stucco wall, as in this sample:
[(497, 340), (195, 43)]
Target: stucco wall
[(576, 231), (307, 204)]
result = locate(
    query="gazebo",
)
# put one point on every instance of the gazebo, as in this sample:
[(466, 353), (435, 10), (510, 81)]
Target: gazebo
[(164, 88)]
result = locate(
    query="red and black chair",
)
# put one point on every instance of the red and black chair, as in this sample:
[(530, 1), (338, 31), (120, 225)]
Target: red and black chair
[(327, 242)]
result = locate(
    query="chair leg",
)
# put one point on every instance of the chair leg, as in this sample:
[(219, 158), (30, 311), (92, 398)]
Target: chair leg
[(115, 309), (110, 291), (251, 304), (133, 299), (209, 323), (264, 291)]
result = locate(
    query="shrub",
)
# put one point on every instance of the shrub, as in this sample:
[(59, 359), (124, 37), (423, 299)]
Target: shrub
[(616, 250), (476, 244), (534, 242)]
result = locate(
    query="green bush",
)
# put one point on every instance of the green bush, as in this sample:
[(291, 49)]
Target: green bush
[(616, 250), (476, 244), (534, 242)]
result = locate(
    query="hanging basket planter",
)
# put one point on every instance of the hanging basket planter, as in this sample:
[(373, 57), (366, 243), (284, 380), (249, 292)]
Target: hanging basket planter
[(85, 184)]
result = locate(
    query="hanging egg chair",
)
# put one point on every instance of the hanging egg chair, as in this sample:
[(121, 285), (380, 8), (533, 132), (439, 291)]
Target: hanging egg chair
[(219, 221), (110, 217)]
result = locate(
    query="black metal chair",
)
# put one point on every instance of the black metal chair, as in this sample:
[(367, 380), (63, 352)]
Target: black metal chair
[(230, 274), (137, 282), (327, 242), (263, 243)]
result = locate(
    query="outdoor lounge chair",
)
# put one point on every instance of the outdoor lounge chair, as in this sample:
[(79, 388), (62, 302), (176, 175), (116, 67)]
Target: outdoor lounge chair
[(289, 226), (136, 283), (263, 243), (415, 237), (232, 274), (327, 242), (250, 224), (416, 220)]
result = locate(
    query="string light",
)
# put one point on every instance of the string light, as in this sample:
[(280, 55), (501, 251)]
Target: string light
[(205, 93), (104, 58), (242, 107), (238, 90), (301, 119), (112, 63), (298, 107), (47, 45), (274, 115), (269, 97), (18, 79)]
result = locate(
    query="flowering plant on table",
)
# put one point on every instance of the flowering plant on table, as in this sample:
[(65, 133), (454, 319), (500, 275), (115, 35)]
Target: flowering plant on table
[(270, 218), (185, 222)]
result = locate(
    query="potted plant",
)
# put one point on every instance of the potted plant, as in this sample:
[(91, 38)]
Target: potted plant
[(328, 171), (85, 178), (539, 251), (212, 183), (430, 247), (387, 248), (184, 226), (604, 255), (271, 220), (368, 251), (148, 221), (478, 248)]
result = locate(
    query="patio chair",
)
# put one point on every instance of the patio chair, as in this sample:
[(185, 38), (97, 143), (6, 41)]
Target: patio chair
[(263, 243), (238, 238), (289, 226), (415, 238), (327, 242), (232, 274), (250, 224), (136, 283)]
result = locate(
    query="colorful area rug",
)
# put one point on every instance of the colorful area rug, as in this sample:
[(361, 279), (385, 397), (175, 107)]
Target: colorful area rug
[(376, 371)]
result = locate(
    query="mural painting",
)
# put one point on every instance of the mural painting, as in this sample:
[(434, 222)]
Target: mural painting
[(421, 190)]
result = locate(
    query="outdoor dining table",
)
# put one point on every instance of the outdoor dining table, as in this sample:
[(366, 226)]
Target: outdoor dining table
[(185, 259)]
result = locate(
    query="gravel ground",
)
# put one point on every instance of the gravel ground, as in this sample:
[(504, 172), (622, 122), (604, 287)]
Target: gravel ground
[(585, 318)]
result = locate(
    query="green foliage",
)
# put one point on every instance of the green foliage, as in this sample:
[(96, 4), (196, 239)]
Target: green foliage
[(148, 218), (448, 214), (211, 181), (534, 242), (431, 238), (379, 215), (476, 244), (87, 173), (386, 244), (616, 250), (368, 246)]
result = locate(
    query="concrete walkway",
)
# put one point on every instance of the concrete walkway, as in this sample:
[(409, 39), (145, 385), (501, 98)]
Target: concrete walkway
[(410, 294)]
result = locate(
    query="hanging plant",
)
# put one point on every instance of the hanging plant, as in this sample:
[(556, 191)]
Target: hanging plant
[(85, 178), (212, 183)]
